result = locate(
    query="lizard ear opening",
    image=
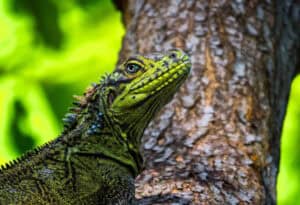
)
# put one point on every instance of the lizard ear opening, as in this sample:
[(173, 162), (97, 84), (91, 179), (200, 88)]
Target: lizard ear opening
[(111, 97)]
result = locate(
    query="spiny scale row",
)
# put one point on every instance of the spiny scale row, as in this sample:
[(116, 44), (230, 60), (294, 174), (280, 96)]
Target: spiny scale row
[(25, 156), (70, 119)]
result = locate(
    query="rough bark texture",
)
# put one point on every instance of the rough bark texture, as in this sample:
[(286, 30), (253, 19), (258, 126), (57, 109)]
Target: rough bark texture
[(218, 141)]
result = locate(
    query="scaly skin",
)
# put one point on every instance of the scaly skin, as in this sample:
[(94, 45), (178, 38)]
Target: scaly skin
[(96, 158)]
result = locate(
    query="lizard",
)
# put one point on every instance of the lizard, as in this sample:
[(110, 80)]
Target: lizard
[(96, 158)]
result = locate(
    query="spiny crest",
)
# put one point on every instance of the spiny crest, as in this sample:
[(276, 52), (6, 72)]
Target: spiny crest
[(81, 102), (26, 156), (105, 80)]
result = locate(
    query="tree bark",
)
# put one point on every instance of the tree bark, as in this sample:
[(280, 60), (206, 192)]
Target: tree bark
[(218, 141)]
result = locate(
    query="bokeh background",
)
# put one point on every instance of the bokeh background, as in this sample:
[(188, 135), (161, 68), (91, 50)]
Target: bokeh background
[(52, 49)]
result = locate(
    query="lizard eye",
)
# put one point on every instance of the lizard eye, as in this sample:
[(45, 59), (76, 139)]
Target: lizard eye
[(173, 55), (132, 68)]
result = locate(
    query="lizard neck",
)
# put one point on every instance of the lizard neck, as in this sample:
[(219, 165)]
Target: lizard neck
[(132, 123), (98, 132)]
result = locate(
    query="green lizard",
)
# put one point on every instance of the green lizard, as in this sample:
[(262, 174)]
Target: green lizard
[(96, 158)]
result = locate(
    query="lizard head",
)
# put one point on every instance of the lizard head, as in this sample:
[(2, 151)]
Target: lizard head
[(141, 85), (140, 79)]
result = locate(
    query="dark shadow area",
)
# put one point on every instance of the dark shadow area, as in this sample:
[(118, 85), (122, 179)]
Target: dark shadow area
[(64, 94), (22, 141), (163, 199), (46, 18), (97, 10)]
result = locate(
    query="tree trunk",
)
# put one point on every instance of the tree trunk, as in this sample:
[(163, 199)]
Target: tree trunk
[(218, 141)]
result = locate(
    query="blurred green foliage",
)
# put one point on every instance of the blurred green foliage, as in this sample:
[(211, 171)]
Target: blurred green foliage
[(288, 186), (52, 49), (49, 50)]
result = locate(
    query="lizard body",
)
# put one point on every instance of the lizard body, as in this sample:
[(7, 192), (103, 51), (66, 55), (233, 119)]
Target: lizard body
[(96, 158)]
